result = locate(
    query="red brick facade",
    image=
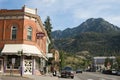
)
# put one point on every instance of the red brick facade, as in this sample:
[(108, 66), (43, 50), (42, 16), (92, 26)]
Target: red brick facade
[(22, 19), (22, 24)]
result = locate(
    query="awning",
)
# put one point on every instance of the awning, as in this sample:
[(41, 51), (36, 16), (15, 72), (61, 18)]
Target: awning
[(29, 50)]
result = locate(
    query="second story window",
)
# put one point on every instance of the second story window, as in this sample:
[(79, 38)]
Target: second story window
[(29, 33), (14, 32)]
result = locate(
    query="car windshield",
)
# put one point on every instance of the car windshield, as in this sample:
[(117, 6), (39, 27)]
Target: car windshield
[(67, 68)]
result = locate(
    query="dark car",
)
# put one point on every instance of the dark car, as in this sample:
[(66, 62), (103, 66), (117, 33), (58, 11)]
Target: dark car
[(118, 72), (67, 72), (107, 71), (79, 71)]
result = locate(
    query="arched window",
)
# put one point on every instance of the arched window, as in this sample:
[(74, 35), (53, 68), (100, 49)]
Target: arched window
[(29, 33), (14, 32)]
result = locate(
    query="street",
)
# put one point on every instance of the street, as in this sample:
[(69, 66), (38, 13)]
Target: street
[(92, 76)]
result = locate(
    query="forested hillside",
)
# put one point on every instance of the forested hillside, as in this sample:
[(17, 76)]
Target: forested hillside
[(96, 36)]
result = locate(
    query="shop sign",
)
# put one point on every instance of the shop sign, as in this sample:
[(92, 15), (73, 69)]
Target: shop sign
[(13, 60), (40, 35)]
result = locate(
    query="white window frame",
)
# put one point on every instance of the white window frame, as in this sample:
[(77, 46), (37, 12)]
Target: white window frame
[(29, 33), (13, 28)]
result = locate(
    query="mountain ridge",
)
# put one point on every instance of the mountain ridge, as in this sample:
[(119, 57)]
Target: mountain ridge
[(95, 35), (90, 25)]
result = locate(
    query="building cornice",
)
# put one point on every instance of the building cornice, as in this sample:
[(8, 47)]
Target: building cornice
[(21, 13)]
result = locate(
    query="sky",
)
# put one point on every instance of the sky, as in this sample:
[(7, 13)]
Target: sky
[(69, 13)]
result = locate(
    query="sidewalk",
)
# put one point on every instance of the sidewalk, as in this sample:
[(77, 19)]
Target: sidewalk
[(43, 77), (8, 77), (28, 77)]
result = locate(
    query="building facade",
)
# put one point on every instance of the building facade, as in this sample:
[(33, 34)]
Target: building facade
[(23, 42), (99, 63)]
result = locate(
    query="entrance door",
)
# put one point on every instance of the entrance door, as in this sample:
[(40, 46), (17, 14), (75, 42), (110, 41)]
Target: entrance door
[(27, 66), (1, 65)]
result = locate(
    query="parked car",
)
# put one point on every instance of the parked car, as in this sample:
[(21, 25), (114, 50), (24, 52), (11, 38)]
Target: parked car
[(118, 72), (79, 71), (114, 71), (107, 72), (67, 72)]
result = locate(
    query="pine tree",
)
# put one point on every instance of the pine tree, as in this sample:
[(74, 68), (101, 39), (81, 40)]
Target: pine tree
[(48, 26)]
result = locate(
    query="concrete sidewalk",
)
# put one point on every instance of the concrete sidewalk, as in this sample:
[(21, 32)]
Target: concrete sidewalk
[(43, 77), (28, 77), (14, 77)]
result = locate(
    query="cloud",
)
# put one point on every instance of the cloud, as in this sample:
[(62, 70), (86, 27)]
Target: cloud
[(114, 20), (108, 10), (70, 13), (77, 10)]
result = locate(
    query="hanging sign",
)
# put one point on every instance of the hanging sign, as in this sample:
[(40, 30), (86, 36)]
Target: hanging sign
[(40, 35)]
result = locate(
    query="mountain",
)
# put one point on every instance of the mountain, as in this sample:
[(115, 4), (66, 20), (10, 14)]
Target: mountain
[(98, 25), (95, 35)]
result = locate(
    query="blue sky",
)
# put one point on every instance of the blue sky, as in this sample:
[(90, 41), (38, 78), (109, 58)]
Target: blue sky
[(69, 13)]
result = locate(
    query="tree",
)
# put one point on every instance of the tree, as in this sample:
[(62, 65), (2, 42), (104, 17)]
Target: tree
[(48, 26), (62, 57), (118, 62), (108, 62)]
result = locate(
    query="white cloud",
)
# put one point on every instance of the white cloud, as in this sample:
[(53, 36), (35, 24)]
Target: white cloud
[(77, 9), (114, 20), (108, 10)]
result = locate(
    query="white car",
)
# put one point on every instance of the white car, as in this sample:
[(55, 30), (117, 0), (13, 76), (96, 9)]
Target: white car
[(114, 71)]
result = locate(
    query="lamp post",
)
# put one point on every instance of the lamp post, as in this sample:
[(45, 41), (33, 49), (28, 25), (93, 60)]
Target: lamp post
[(20, 53)]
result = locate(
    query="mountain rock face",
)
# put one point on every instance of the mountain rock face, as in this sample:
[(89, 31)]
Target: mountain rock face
[(98, 25), (96, 36)]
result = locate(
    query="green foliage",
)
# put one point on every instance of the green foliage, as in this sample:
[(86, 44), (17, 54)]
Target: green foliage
[(118, 62), (62, 57), (108, 62), (48, 26), (98, 44), (96, 36), (75, 61)]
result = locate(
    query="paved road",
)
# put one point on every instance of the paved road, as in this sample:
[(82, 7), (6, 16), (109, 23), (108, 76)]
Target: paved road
[(92, 76), (83, 76)]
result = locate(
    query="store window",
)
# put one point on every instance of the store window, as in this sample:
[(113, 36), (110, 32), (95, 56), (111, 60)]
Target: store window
[(29, 33), (16, 64), (14, 32)]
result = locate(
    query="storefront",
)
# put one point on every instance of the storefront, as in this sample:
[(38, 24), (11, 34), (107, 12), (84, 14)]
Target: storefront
[(23, 42), (21, 57)]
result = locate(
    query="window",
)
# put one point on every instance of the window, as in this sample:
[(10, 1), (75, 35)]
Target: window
[(14, 32), (29, 33), (17, 61)]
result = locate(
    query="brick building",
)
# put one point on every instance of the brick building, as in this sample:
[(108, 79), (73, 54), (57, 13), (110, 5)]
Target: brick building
[(23, 41)]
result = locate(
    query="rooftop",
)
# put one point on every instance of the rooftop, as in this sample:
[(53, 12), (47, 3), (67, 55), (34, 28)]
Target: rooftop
[(24, 9)]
